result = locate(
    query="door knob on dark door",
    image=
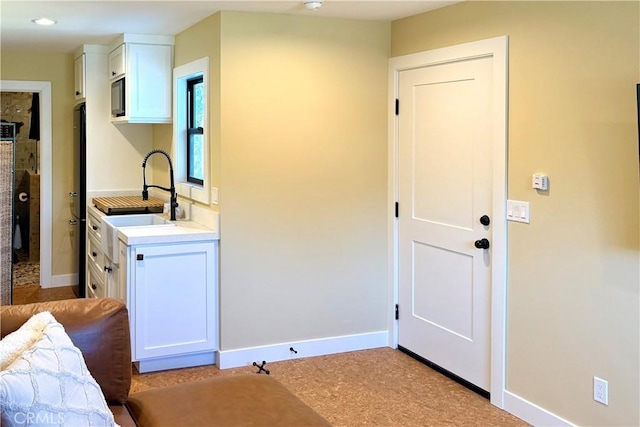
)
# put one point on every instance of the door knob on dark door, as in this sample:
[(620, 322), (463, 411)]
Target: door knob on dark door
[(482, 244), (485, 220)]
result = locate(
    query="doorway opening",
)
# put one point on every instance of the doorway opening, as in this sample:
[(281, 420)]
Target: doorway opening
[(33, 170), (22, 109)]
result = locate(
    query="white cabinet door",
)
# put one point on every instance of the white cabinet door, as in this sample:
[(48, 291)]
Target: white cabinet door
[(149, 87), (112, 276), (117, 62), (123, 274), (79, 68), (174, 298)]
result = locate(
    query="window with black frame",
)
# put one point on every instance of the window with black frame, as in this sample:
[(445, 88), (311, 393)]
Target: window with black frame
[(195, 131)]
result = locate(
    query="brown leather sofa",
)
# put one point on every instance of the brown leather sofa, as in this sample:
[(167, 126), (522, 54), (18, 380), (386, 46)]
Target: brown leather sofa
[(100, 329)]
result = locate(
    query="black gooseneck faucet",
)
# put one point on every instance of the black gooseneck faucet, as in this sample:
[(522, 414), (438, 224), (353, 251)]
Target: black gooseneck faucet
[(172, 189)]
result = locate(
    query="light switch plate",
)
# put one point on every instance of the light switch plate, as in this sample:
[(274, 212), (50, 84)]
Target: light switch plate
[(518, 211), (214, 195)]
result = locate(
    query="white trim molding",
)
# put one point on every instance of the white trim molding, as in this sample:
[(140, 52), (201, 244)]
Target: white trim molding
[(184, 188), (496, 48), (530, 412), (309, 348), (46, 220)]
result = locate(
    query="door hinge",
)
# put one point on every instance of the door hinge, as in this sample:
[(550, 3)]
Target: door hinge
[(397, 107), (397, 209), (397, 312)]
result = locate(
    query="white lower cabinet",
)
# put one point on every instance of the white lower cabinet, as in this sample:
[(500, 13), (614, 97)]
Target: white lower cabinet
[(102, 273), (172, 296)]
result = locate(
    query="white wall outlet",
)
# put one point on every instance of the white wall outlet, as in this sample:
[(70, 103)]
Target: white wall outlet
[(600, 391)]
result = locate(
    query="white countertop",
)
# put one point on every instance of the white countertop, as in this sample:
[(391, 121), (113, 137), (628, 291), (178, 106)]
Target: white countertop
[(183, 231)]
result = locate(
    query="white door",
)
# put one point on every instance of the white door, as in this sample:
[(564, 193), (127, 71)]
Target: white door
[(445, 185)]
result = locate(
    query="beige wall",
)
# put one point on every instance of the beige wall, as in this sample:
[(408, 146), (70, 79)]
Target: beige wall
[(198, 41), (299, 154), (573, 273), (56, 68), (303, 178)]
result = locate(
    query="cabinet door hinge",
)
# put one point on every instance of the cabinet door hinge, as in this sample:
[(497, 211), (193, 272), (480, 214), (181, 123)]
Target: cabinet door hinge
[(397, 107), (397, 312), (397, 209)]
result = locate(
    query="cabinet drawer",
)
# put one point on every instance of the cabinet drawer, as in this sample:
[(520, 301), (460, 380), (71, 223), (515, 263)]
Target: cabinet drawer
[(95, 257), (94, 227), (95, 284)]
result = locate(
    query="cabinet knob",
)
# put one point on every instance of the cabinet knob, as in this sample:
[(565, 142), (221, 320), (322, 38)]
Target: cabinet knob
[(113, 73), (77, 92), (140, 257), (94, 287), (95, 227), (94, 254), (107, 269)]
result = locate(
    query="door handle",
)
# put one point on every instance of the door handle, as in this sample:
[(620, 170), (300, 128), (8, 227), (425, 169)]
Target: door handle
[(73, 194), (73, 222), (485, 220), (482, 244)]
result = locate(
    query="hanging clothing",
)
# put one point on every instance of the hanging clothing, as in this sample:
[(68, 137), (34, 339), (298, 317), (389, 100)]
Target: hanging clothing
[(34, 131)]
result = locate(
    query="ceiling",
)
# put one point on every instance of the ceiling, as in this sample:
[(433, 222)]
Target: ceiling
[(99, 22)]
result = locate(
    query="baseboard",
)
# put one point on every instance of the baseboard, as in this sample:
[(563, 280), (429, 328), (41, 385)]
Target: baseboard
[(320, 347), (530, 412), (176, 362), (63, 280)]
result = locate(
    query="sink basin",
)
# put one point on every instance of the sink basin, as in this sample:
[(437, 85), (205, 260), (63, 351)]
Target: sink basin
[(137, 220), (112, 223)]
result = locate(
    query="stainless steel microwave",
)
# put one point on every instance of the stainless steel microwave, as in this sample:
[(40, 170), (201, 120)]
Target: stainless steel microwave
[(118, 98)]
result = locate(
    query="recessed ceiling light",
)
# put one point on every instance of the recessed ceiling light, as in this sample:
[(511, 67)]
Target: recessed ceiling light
[(43, 21), (312, 4)]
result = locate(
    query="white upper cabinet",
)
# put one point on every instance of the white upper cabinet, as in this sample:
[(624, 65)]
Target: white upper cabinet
[(146, 64), (79, 68), (117, 64)]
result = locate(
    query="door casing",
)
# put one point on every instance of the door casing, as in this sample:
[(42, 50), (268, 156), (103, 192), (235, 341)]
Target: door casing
[(497, 48)]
